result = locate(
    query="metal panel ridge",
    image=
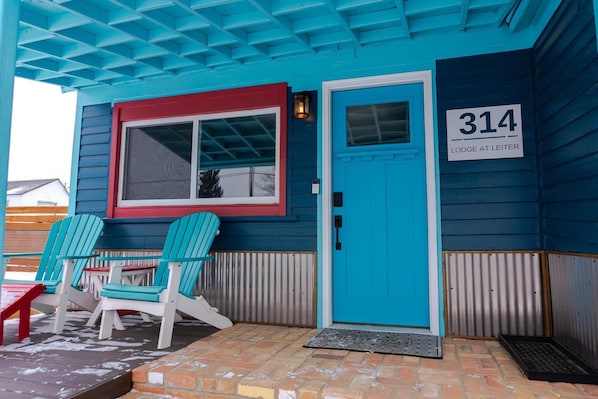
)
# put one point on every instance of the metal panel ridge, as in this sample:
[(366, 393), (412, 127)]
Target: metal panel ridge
[(574, 290), (492, 293)]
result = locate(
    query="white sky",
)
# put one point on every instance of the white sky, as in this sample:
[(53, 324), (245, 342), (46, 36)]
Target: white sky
[(41, 138)]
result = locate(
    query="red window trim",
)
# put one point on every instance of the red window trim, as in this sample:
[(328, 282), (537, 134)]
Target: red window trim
[(273, 95)]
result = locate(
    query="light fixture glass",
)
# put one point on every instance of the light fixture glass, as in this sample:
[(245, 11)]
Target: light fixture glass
[(301, 106)]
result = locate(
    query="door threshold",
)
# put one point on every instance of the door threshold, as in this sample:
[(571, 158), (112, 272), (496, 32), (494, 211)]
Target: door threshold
[(374, 327)]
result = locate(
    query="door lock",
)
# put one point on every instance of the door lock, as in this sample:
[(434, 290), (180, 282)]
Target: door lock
[(337, 199), (338, 223)]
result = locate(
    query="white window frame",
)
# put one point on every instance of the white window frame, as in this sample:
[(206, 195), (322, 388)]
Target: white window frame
[(196, 121)]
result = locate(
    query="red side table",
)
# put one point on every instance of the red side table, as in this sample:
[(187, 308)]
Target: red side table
[(18, 297)]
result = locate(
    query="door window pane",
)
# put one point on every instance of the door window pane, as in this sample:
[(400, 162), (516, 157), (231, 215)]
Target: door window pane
[(378, 124)]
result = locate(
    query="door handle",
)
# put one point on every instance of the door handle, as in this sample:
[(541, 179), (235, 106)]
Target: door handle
[(338, 223)]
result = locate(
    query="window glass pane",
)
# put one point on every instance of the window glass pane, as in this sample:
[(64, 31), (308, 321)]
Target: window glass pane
[(158, 162), (237, 157), (378, 124), (253, 181)]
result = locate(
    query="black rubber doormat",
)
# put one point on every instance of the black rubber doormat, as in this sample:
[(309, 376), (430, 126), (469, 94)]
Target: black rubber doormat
[(393, 343), (544, 359)]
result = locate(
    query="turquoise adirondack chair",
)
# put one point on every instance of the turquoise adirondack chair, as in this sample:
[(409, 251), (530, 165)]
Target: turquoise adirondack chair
[(68, 248), (185, 251)]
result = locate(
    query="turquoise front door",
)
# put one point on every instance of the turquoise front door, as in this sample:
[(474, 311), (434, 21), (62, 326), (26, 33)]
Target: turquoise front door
[(379, 212)]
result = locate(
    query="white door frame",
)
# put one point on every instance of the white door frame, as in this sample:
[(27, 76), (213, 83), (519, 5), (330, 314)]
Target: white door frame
[(424, 77)]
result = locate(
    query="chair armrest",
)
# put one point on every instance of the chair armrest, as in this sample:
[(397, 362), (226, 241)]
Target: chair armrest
[(117, 265), (186, 259), (21, 254), (74, 257), (112, 258)]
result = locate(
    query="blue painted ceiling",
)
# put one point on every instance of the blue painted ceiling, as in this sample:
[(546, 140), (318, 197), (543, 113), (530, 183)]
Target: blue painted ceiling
[(84, 43)]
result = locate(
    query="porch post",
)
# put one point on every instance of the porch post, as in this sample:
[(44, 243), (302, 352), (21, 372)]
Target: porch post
[(9, 25)]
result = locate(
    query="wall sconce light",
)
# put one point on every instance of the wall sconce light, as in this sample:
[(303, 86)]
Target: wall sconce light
[(301, 105)]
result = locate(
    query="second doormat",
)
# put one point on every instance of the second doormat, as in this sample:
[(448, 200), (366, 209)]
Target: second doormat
[(393, 343), (545, 359)]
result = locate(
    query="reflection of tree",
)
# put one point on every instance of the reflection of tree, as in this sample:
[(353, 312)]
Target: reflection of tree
[(267, 183), (209, 184)]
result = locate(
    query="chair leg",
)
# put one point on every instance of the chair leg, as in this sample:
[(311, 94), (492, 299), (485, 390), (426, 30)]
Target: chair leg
[(166, 328), (63, 292), (118, 324), (106, 324), (59, 321), (200, 309), (146, 317), (60, 317), (211, 316), (97, 312), (24, 322), (93, 319)]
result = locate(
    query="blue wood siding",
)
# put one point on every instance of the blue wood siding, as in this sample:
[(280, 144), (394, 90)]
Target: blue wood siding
[(294, 232), (94, 157), (488, 204), (566, 70)]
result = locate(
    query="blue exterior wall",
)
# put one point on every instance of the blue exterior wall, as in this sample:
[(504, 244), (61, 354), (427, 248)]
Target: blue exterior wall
[(296, 231), (491, 204), (566, 68), (94, 160), (488, 204), (485, 205), (548, 199)]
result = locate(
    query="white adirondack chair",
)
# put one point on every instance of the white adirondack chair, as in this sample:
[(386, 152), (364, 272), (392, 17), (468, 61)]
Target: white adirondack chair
[(69, 246), (185, 251)]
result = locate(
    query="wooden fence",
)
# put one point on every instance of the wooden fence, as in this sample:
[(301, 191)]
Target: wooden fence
[(26, 230)]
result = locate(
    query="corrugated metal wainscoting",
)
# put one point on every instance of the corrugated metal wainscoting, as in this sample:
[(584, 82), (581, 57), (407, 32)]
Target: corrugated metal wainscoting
[(491, 293), (262, 287), (256, 287), (574, 290)]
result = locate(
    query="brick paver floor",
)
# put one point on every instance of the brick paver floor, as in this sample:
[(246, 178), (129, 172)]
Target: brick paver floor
[(257, 361)]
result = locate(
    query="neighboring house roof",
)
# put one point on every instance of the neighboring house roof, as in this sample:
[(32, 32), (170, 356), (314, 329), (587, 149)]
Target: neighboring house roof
[(20, 187)]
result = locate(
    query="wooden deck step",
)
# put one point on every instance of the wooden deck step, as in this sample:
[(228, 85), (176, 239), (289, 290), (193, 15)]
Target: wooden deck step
[(75, 364)]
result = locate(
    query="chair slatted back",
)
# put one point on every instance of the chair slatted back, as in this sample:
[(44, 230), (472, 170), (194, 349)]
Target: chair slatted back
[(74, 236), (190, 236)]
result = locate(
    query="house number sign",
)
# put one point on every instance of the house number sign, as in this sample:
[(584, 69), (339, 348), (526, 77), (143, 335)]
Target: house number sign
[(484, 133)]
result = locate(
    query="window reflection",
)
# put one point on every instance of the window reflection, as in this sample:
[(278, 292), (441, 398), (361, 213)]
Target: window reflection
[(253, 181), (378, 124), (244, 149)]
